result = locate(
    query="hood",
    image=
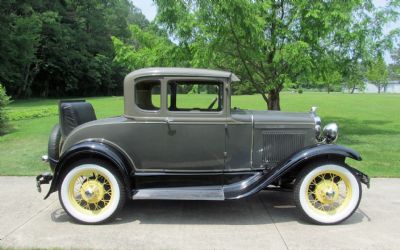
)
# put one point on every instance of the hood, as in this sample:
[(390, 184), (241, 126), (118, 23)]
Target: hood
[(275, 117)]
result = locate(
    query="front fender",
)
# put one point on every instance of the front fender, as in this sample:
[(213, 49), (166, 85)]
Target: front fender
[(320, 151), (93, 149)]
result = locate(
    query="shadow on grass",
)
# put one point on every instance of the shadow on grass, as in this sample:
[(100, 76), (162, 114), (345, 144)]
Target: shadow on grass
[(264, 208), (361, 127)]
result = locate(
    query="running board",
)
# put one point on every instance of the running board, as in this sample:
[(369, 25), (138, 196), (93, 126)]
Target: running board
[(214, 193)]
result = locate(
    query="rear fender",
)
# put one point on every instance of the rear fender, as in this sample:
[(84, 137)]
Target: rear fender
[(93, 149)]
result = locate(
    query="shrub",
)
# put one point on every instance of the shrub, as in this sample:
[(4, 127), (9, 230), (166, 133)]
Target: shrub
[(4, 100), (300, 91)]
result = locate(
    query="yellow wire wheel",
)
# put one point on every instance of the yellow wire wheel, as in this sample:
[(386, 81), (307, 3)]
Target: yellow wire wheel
[(91, 192), (327, 194)]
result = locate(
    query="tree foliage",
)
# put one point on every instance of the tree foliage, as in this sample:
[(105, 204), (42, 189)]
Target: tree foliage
[(378, 73), (148, 47), (58, 47), (4, 100), (274, 43), (394, 67)]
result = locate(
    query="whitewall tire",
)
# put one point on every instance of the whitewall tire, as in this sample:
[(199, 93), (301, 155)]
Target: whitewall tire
[(91, 192), (327, 193)]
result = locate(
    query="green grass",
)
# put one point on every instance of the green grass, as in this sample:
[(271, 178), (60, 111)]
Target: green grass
[(369, 123)]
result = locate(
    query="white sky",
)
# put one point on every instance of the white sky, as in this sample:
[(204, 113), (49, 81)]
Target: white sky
[(147, 7), (149, 10)]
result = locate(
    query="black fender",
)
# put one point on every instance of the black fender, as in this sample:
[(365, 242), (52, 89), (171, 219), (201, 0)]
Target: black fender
[(93, 149), (316, 152)]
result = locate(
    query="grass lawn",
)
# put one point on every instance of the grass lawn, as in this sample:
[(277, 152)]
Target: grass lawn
[(369, 123)]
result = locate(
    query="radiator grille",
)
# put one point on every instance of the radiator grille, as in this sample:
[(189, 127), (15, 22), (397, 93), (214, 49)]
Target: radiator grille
[(279, 145)]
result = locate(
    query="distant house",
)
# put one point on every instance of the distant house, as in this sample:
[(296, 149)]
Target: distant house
[(392, 87)]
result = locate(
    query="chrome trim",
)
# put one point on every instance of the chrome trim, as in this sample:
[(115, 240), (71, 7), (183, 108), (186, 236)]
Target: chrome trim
[(317, 121), (45, 158), (188, 193)]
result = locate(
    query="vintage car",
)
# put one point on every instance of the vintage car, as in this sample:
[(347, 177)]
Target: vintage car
[(173, 143)]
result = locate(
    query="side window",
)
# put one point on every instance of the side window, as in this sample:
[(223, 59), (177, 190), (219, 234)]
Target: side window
[(206, 96), (147, 95)]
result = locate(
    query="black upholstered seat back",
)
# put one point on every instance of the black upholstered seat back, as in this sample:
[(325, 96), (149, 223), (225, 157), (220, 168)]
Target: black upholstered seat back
[(73, 114)]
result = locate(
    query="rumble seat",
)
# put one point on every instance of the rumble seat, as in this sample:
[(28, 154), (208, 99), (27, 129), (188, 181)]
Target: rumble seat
[(74, 113)]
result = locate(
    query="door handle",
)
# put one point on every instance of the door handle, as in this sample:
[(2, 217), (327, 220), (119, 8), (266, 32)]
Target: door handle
[(168, 121)]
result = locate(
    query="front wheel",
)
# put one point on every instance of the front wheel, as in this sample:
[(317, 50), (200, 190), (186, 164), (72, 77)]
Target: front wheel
[(328, 193), (91, 192)]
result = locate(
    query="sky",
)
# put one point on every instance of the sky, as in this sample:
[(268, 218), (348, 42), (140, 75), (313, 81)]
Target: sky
[(147, 7), (149, 10)]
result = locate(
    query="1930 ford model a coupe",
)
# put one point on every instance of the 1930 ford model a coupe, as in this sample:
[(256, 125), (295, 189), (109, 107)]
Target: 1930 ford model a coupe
[(164, 147)]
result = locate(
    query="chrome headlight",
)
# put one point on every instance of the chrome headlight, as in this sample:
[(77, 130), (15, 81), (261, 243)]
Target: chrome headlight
[(330, 132)]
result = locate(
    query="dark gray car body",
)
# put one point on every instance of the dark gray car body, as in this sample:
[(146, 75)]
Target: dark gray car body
[(237, 151)]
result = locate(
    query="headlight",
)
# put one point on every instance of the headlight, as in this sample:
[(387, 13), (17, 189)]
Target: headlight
[(330, 132)]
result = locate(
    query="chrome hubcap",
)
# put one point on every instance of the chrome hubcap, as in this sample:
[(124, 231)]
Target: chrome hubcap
[(89, 193)]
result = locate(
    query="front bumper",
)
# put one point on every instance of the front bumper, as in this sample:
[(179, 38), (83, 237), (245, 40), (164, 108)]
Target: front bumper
[(363, 177)]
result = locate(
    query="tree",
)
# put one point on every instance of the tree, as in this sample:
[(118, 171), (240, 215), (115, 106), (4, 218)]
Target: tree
[(378, 73), (4, 100), (58, 48), (364, 40), (148, 47), (268, 43), (394, 67), (354, 77), (327, 73), (19, 41)]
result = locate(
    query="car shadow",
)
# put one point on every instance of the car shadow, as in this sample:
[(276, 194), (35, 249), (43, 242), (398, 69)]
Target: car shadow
[(264, 208)]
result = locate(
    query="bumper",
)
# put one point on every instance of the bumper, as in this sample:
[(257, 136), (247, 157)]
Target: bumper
[(363, 177), (44, 178)]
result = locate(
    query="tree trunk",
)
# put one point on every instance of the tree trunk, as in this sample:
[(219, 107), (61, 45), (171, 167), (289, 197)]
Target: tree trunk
[(273, 100), (379, 89), (353, 89)]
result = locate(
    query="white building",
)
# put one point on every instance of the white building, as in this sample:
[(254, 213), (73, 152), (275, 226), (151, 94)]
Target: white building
[(392, 87)]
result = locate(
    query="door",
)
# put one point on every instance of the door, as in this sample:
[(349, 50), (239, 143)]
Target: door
[(195, 140)]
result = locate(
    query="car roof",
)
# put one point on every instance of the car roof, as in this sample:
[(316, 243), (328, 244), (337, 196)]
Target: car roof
[(182, 72)]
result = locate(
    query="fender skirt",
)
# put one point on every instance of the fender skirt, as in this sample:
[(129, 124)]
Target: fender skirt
[(262, 179), (92, 149)]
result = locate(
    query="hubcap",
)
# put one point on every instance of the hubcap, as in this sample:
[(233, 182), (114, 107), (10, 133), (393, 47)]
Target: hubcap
[(90, 191), (329, 192)]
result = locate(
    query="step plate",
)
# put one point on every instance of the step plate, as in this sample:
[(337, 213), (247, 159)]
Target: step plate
[(187, 193)]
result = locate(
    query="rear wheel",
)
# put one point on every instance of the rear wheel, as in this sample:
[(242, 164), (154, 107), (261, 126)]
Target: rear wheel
[(327, 193), (91, 192)]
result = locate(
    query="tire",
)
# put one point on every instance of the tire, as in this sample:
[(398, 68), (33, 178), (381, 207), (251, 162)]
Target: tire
[(91, 191), (327, 193), (54, 145)]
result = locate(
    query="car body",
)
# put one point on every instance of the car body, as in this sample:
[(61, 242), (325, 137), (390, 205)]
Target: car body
[(170, 143)]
